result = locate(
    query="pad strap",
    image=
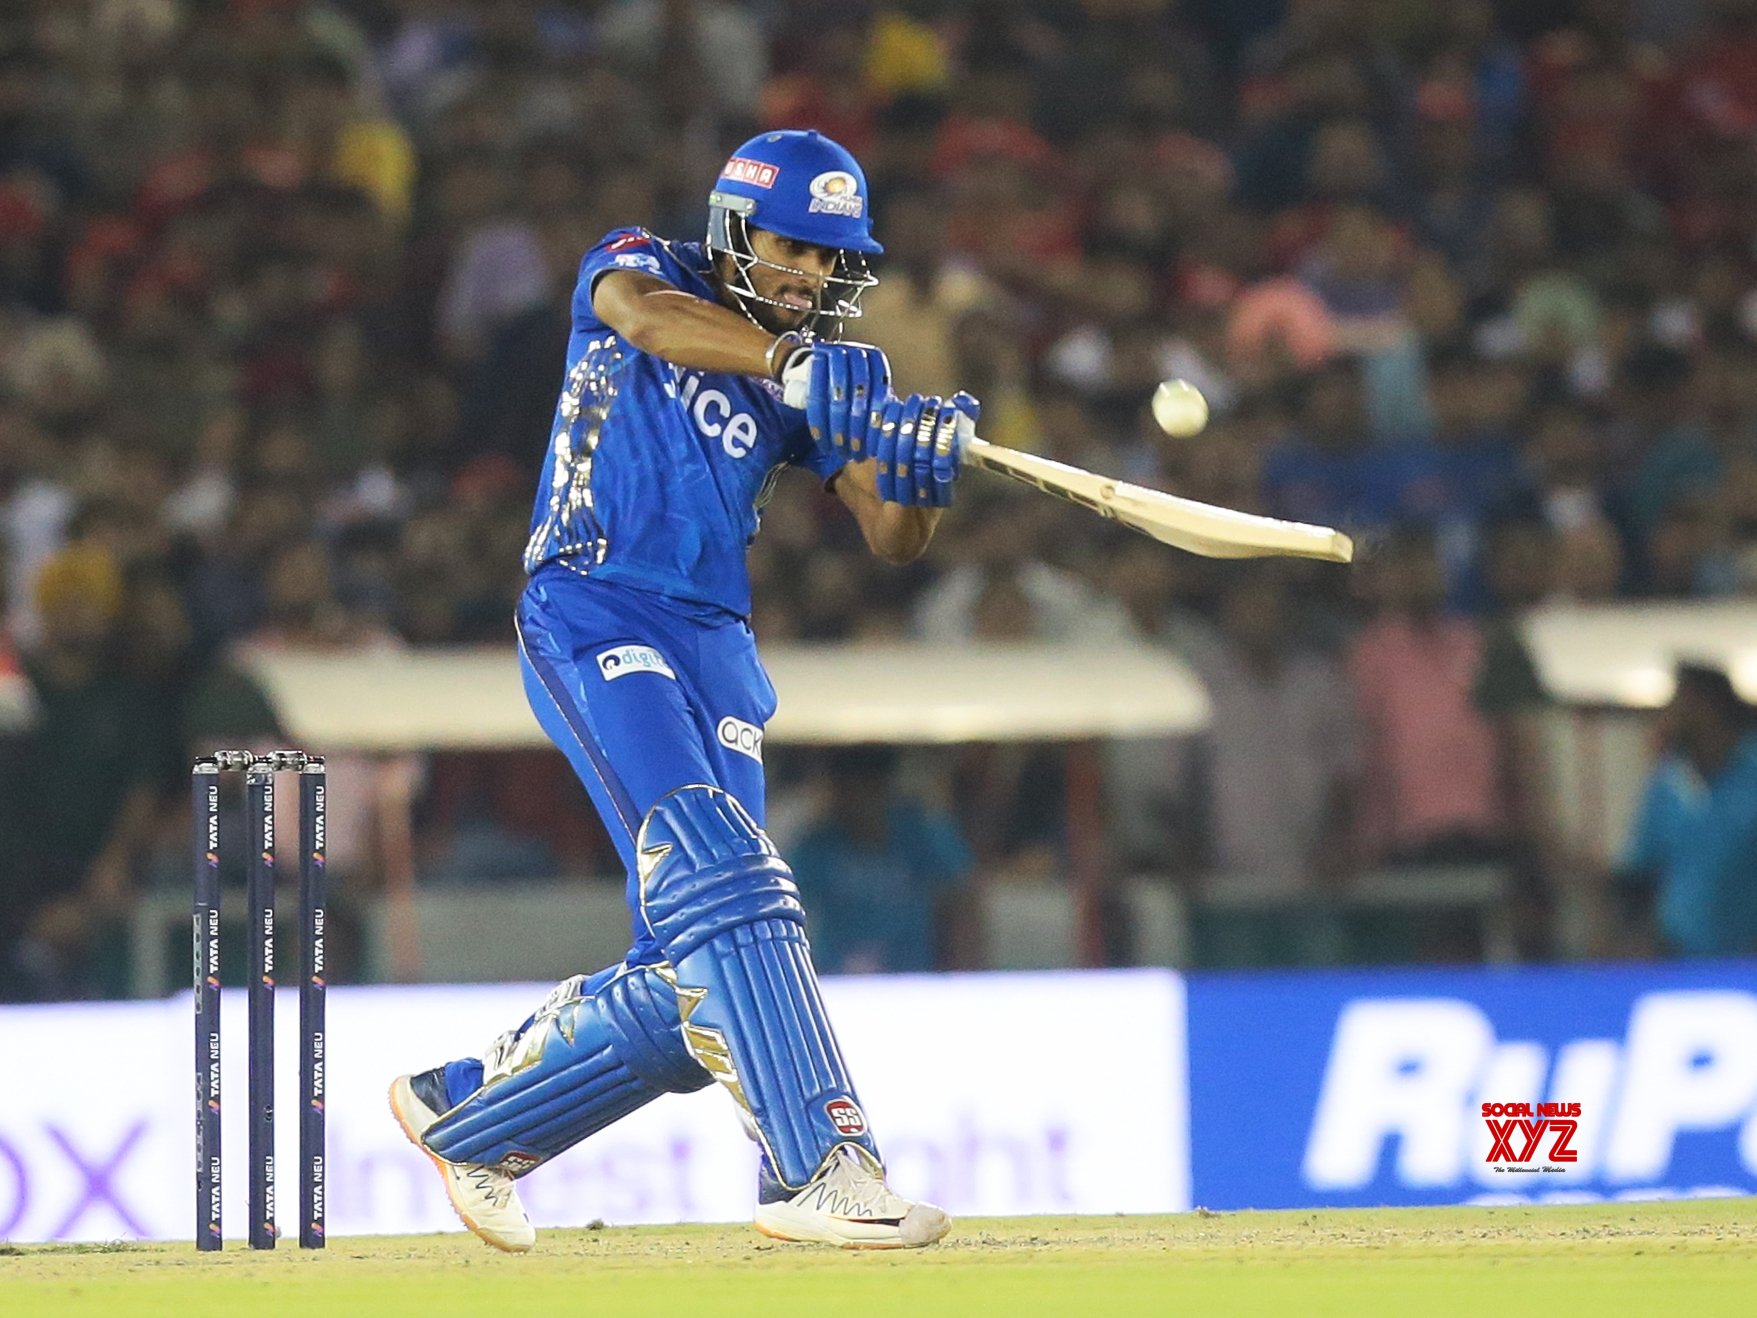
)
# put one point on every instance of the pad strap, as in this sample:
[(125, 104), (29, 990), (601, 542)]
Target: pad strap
[(596, 1050), (723, 905)]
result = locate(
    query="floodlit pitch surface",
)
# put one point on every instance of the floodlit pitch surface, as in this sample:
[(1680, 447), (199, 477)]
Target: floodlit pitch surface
[(1695, 1258)]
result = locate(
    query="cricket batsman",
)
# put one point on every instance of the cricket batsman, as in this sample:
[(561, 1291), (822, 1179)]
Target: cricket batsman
[(672, 427)]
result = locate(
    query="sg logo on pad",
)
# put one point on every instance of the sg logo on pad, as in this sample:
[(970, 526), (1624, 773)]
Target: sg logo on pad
[(846, 1117)]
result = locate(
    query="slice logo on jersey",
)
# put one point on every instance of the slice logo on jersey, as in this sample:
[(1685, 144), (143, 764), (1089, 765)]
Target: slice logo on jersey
[(745, 738), (836, 193), (713, 414), (757, 173), (626, 659), (637, 261), (845, 1116)]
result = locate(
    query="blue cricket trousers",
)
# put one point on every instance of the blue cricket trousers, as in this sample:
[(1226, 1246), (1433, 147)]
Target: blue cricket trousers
[(644, 694)]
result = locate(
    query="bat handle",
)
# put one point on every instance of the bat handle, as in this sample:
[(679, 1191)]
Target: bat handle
[(796, 391)]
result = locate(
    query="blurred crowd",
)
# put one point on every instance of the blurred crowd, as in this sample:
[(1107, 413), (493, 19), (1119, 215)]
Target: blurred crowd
[(283, 296)]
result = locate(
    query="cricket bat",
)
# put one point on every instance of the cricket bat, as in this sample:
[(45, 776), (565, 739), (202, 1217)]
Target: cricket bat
[(1199, 528)]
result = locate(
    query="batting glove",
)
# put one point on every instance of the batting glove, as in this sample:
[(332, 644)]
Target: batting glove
[(838, 385), (918, 442)]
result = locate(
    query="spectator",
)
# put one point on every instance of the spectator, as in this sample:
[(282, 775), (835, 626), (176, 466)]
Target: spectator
[(1688, 875), (1432, 790), (1280, 760), (18, 716), (280, 303), (302, 612), (1589, 564), (701, 56), (915, 308), (829, 90), (881, 874), (1328, 471), (1510, 693), (35, 507), (89, 787), (1477, 469)]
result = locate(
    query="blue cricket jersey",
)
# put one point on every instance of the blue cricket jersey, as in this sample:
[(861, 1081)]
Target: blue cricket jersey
[(656, 475)]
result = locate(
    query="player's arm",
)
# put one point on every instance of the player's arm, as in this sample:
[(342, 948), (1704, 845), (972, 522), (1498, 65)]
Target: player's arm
[(684, 329), (837, 384), (896, 533), (898, 493)]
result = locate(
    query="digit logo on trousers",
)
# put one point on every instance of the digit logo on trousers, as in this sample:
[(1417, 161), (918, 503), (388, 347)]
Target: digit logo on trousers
[(626, 659)]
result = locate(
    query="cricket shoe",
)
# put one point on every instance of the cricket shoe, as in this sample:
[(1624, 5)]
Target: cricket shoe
[(484, 1198), (847, 1204)]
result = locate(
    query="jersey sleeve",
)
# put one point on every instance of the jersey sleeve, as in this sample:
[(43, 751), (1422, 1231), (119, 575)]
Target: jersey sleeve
[(621, 249), (819, 461)]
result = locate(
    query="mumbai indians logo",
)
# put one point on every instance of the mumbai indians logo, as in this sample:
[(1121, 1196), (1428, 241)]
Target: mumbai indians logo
[(836, 193)]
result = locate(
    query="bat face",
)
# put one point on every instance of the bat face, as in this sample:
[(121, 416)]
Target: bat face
[(1199, 528)]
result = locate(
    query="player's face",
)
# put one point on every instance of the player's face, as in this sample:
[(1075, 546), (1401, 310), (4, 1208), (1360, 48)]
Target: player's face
[(801, 292)]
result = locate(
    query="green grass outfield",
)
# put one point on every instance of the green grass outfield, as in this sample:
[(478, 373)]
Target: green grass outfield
[(1694, 1259)]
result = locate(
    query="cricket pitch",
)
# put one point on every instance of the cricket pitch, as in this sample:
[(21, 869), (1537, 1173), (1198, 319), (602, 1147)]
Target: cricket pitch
[(1695, 1257)]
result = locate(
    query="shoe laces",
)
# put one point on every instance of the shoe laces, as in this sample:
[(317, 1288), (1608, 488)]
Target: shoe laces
[(493, 1186), (850, 1187)]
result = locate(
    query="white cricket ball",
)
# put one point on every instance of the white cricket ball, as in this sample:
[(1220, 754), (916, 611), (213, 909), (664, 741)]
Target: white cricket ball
[(1179, 408)]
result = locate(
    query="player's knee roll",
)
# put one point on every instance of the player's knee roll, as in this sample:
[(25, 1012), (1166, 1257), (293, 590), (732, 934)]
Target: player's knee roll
[(705, 867), (584, 1060), (640, 1012)]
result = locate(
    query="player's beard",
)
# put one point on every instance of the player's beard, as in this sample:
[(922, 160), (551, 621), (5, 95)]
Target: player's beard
[(771, 317), (780, 320)]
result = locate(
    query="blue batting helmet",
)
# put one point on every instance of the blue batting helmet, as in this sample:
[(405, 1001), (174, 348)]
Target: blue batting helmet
[(800, 185)]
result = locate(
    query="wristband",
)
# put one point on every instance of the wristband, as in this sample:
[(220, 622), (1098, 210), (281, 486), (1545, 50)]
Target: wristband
[(792, 340)]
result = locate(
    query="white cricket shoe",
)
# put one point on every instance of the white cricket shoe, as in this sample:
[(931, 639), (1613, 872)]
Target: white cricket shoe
[(848, 1204), (484, 1198)]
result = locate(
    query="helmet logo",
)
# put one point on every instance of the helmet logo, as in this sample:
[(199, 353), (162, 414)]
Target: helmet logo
[(757, 173), (836, 193)]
